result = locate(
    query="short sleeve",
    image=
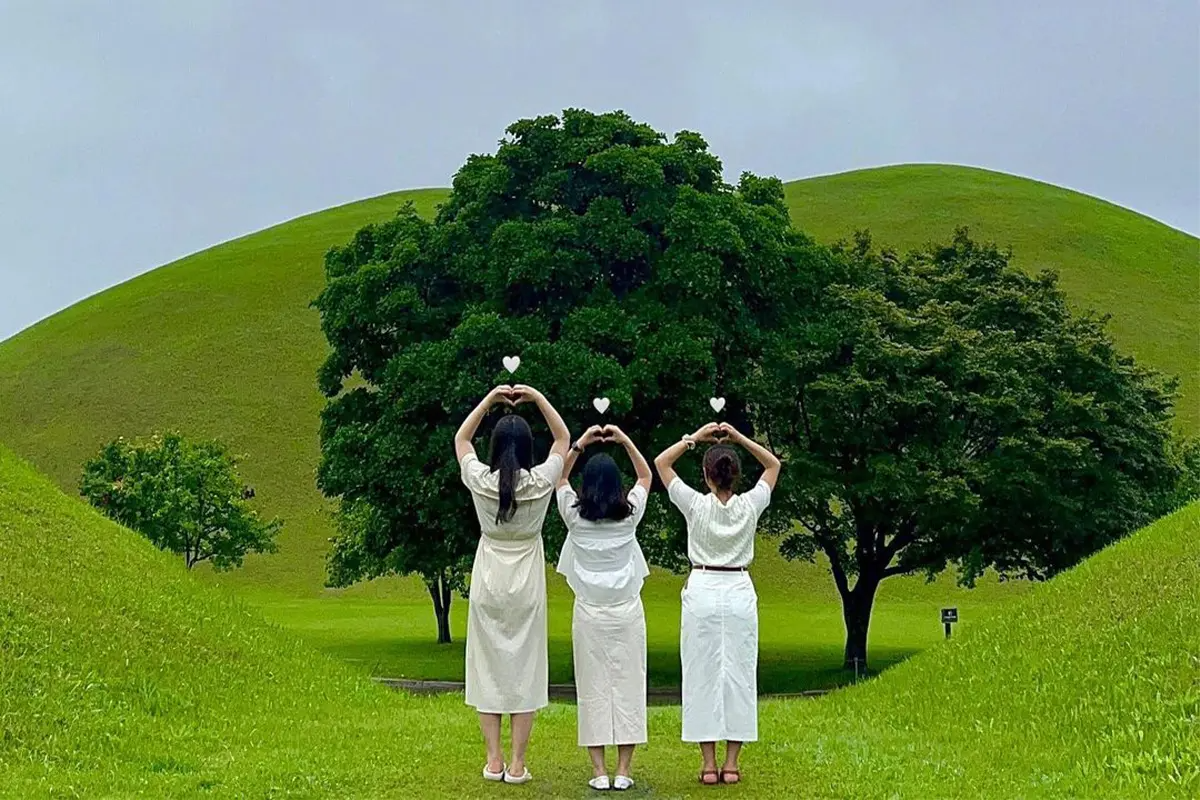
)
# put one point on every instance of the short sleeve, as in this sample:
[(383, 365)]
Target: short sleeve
[(683, 496), (637, 498), (566, 505), (550, 470), (759, 497), (472, 470)]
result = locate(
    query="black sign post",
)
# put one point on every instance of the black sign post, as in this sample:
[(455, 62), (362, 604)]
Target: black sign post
[(949, 617)]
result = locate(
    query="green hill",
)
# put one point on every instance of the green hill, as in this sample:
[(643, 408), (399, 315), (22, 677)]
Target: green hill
[(223, 343), (122, 676)]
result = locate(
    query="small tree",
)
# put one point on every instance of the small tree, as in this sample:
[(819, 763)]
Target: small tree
[(615, 262), (184, 496), (947, 408)]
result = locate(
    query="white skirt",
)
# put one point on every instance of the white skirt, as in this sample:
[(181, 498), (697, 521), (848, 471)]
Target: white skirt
[(507, 657), (609, 645), (718, 645)]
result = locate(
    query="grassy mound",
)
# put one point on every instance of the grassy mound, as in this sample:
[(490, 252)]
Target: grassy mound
[(223, 344), (122, 676)]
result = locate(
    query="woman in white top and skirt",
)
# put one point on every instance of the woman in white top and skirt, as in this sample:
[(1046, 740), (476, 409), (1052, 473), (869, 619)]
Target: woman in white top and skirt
[(604, 566), (507, 670), (718, 642)]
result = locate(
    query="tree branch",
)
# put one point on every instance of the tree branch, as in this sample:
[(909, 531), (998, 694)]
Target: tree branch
[(835, 565), (896, 570)]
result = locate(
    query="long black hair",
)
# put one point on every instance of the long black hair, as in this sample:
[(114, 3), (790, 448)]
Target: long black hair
[(601, 495), (511, 451), (722, 467)]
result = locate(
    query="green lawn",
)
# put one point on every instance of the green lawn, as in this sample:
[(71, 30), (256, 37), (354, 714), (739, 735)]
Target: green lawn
[(801, 638), (223, 344), (123, 676)]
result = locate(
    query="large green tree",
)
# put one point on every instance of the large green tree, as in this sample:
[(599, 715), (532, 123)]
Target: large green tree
[(945, 407), (612, 259), (183, 495)]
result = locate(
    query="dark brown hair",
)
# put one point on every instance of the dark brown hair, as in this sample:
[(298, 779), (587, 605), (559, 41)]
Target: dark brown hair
[(512, 451), (722, 467), (601, 495)]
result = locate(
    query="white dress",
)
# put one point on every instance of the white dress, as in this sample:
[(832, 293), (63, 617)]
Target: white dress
[(507, 657), (604, 566), (718, 639)]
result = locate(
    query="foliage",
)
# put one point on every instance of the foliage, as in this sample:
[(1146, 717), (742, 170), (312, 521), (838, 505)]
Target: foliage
[(184, 496), (123, 677), (615, 262), (945, 407)]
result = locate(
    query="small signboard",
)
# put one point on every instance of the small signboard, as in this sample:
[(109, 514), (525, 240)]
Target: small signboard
[(949, 617)]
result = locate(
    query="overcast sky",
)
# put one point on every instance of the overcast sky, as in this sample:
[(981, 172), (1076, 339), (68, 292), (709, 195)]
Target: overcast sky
[(133, 133)]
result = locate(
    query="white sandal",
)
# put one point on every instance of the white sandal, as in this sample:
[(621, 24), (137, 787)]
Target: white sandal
[(622, 782), (510, 778), (494, 776), (599, 782)]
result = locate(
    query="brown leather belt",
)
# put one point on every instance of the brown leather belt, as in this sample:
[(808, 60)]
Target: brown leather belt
[(720, 569)]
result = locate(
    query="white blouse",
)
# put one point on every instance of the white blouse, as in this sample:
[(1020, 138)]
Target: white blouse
[(720, 534), (602, 560), (534, 489)]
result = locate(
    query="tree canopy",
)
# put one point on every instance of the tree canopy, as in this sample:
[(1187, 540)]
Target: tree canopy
[(614, 261), (946, 407), (184, 496)]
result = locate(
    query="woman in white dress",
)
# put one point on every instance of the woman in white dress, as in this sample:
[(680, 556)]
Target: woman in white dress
[(718, 642), (507, 658), (604, 566)]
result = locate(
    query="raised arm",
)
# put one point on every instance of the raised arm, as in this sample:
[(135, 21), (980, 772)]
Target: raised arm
[(591, 435), (769, 461), (558, 428), (665, 461), (466, 431), (644, 475)]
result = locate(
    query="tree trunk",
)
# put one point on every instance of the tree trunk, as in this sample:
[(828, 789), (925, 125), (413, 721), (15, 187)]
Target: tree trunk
[(856, 612), (439, 590)]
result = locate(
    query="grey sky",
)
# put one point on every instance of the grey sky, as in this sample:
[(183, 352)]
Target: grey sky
[(132, 133)]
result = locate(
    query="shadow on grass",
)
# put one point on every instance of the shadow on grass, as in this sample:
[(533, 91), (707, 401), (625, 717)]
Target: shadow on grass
[(780, 670)]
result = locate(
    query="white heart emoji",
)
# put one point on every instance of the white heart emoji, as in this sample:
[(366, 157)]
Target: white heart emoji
[(601, 404), (717, 403), (511, 363)]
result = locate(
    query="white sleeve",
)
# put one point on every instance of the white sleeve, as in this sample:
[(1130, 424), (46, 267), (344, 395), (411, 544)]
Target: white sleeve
[(472, 471), (759, 497), (566, 505), (551, 469), (683, 496), (637, 498)]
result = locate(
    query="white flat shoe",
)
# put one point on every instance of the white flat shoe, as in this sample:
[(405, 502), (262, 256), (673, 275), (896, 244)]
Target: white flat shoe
[(494, 776), (510, 778), (622, 782), (599, 782)]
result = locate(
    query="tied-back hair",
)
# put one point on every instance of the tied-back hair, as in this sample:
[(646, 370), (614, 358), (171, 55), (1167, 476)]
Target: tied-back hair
[(511, 452), (722, 467), (601, 495)]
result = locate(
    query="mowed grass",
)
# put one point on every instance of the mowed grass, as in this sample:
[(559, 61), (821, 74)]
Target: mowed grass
[(801, 638), (223, 344), (123, 676)]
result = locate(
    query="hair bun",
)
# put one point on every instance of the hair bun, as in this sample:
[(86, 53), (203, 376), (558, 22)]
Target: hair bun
[(722, 467)]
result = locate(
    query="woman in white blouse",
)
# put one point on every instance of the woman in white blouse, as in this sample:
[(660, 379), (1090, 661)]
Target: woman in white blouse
[(718, 640), (605, 568), (506, 618)]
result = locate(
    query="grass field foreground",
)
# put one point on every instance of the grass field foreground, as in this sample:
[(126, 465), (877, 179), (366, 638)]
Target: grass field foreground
[(121, 675)]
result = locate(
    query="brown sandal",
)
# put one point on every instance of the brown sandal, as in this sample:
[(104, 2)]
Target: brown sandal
[(704, 773), (735, 773)]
